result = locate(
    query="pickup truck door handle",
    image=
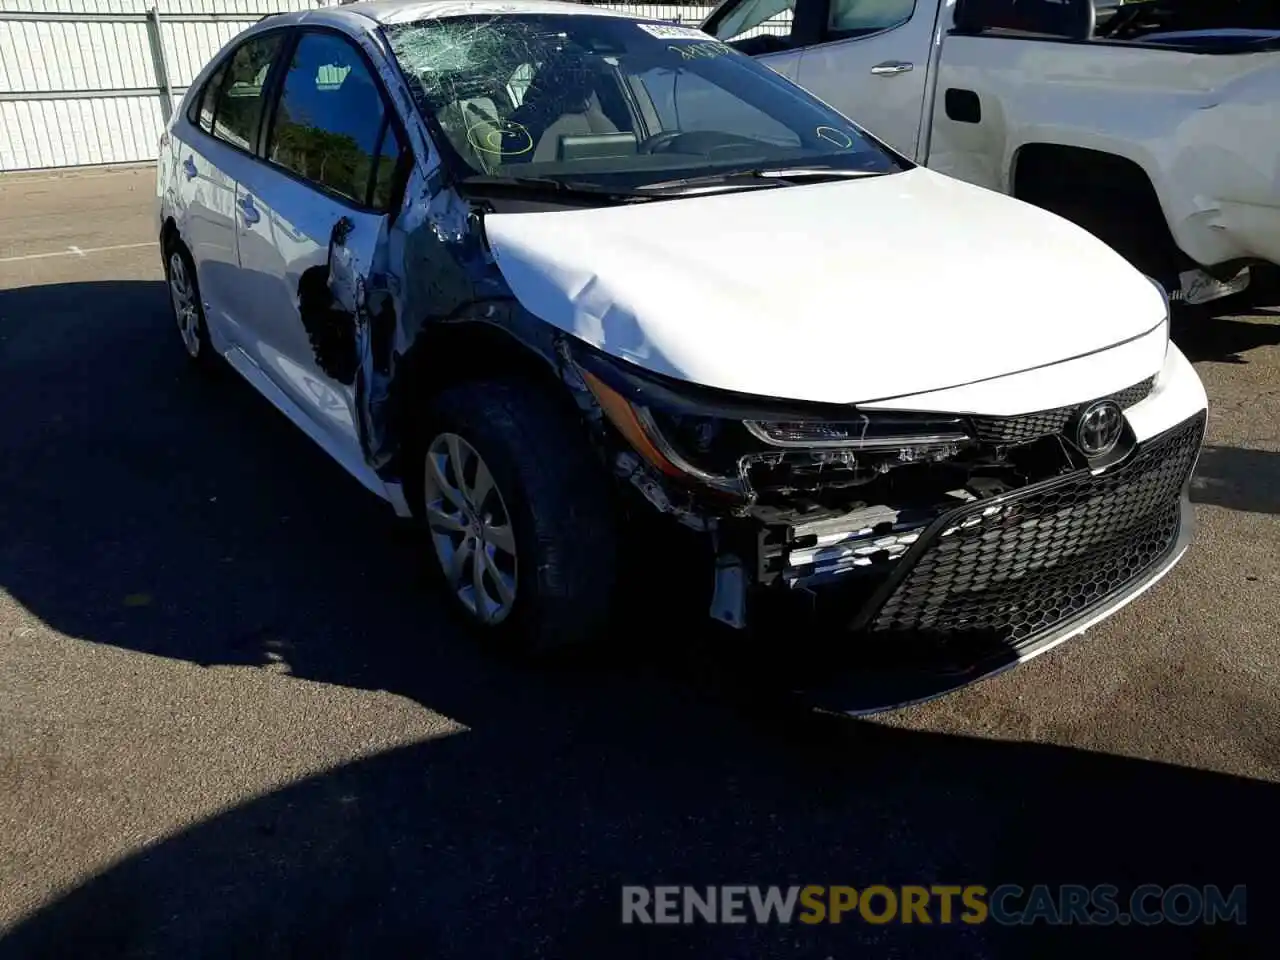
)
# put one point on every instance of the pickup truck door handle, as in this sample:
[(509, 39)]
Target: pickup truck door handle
[(248, 210), (891, 68), (189, 168)]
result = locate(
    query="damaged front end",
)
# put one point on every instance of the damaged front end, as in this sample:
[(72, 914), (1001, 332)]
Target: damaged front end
[(913, 552), (934, 547)]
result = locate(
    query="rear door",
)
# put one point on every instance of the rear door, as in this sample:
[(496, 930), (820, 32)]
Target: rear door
[(312, 212), (214, 149)]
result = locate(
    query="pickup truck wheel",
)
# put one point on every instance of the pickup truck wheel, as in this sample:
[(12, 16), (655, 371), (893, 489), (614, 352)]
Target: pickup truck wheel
[(1133, 230), (519, 517)]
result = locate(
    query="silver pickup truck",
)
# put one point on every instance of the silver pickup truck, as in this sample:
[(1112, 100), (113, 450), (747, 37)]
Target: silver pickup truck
[(1155, 124)]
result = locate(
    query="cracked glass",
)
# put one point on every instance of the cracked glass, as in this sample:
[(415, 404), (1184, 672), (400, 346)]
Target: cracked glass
[(613, 102)]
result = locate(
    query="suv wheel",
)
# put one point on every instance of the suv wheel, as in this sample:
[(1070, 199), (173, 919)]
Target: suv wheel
[(519, 514)]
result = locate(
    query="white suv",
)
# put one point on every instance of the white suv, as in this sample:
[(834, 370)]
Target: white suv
[(536, 274)]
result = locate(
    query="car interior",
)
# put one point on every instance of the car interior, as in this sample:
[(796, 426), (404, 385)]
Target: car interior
[(565, 113)]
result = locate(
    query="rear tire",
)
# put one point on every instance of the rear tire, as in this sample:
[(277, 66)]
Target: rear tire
[(187, 307), (518, 510)]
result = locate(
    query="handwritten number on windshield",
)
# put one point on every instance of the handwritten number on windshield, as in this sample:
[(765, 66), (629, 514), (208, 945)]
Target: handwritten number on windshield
[(706, 50)]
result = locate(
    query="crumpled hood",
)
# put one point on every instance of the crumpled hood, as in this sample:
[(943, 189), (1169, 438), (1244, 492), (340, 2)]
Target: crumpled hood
[(838, 292)]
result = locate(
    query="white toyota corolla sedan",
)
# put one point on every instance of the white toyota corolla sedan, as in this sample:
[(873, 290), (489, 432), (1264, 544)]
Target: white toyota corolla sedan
[(538, 274)]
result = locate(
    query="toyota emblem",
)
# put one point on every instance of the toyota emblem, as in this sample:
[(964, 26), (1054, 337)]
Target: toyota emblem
[(1099, 428)]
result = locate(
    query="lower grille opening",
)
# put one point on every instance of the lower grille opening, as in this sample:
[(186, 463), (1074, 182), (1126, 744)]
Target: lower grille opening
[(993, 576)]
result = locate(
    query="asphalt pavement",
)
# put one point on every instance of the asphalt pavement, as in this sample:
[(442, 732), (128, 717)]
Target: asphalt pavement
[(234, 721)]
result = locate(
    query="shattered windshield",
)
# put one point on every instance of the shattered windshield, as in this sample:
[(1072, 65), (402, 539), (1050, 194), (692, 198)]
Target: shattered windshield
[(613, 102)]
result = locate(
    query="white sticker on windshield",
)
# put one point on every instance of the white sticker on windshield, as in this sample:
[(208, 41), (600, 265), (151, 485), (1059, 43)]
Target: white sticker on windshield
[(671, 31)]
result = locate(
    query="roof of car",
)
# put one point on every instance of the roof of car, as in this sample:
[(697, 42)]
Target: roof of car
[(402, 11)]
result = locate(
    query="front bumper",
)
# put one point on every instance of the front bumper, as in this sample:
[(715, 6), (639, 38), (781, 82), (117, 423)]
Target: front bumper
[(997, 581), (1040, 567), (886, 687)]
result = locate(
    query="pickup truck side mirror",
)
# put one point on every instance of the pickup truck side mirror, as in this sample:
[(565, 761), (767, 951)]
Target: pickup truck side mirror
[(1068, 19)]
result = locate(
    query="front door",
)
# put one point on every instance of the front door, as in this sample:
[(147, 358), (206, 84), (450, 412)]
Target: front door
[(871, 64), (313, 212), (764, 29)]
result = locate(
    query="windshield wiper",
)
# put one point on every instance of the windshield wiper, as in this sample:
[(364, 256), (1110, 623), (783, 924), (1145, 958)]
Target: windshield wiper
[(759, 176), (560, 188)]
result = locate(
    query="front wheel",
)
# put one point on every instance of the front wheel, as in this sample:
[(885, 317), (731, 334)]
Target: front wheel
[(519, 514)]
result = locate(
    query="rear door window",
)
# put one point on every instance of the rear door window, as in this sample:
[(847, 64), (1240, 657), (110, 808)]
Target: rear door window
[(241, 94)]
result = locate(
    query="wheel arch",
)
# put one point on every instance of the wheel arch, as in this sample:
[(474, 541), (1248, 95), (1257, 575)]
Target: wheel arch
[(1089, 186), (450, 352), (1041, 167), (171, 235)]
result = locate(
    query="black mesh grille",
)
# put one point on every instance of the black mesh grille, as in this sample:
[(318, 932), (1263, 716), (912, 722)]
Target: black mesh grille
[(1004, 573), (1047, 422), (1135, 394)]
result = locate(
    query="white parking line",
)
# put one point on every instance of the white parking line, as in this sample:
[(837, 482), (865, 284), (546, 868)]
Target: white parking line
[(78, 252)]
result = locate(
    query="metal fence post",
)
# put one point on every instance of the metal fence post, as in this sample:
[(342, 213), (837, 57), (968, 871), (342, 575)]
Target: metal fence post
[(160, 62)]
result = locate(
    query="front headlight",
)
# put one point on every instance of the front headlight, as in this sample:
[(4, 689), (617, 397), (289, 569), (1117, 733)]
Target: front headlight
[(1164, 295), (712, 442), (863, 431), (682, 445)]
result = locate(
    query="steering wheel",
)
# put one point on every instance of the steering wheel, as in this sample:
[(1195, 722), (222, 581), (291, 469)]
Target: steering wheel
[(657, 141)]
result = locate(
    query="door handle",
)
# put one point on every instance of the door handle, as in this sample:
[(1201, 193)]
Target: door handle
[(189, 168), (248, 210), (891, 68)]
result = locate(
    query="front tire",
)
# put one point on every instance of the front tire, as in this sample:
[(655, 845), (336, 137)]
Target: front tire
[(520, 518)]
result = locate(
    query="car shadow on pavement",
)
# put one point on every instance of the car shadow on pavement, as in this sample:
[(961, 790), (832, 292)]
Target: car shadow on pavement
[(515, 839), (1217, 331), (1238, 479), (145, 507)]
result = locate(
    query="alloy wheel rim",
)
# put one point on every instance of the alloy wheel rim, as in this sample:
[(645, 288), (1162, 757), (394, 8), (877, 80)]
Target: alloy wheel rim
[(184, 304), (470, 528)]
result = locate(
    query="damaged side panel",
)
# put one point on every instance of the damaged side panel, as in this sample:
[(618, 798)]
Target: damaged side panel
[(387, 284)]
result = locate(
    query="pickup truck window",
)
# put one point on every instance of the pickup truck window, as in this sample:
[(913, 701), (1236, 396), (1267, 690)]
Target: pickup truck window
[(755, 18), (1069, 19), (860, 17), (687, 102)]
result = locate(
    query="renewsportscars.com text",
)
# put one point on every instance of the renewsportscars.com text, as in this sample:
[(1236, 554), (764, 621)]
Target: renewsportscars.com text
[(1007, 904)]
